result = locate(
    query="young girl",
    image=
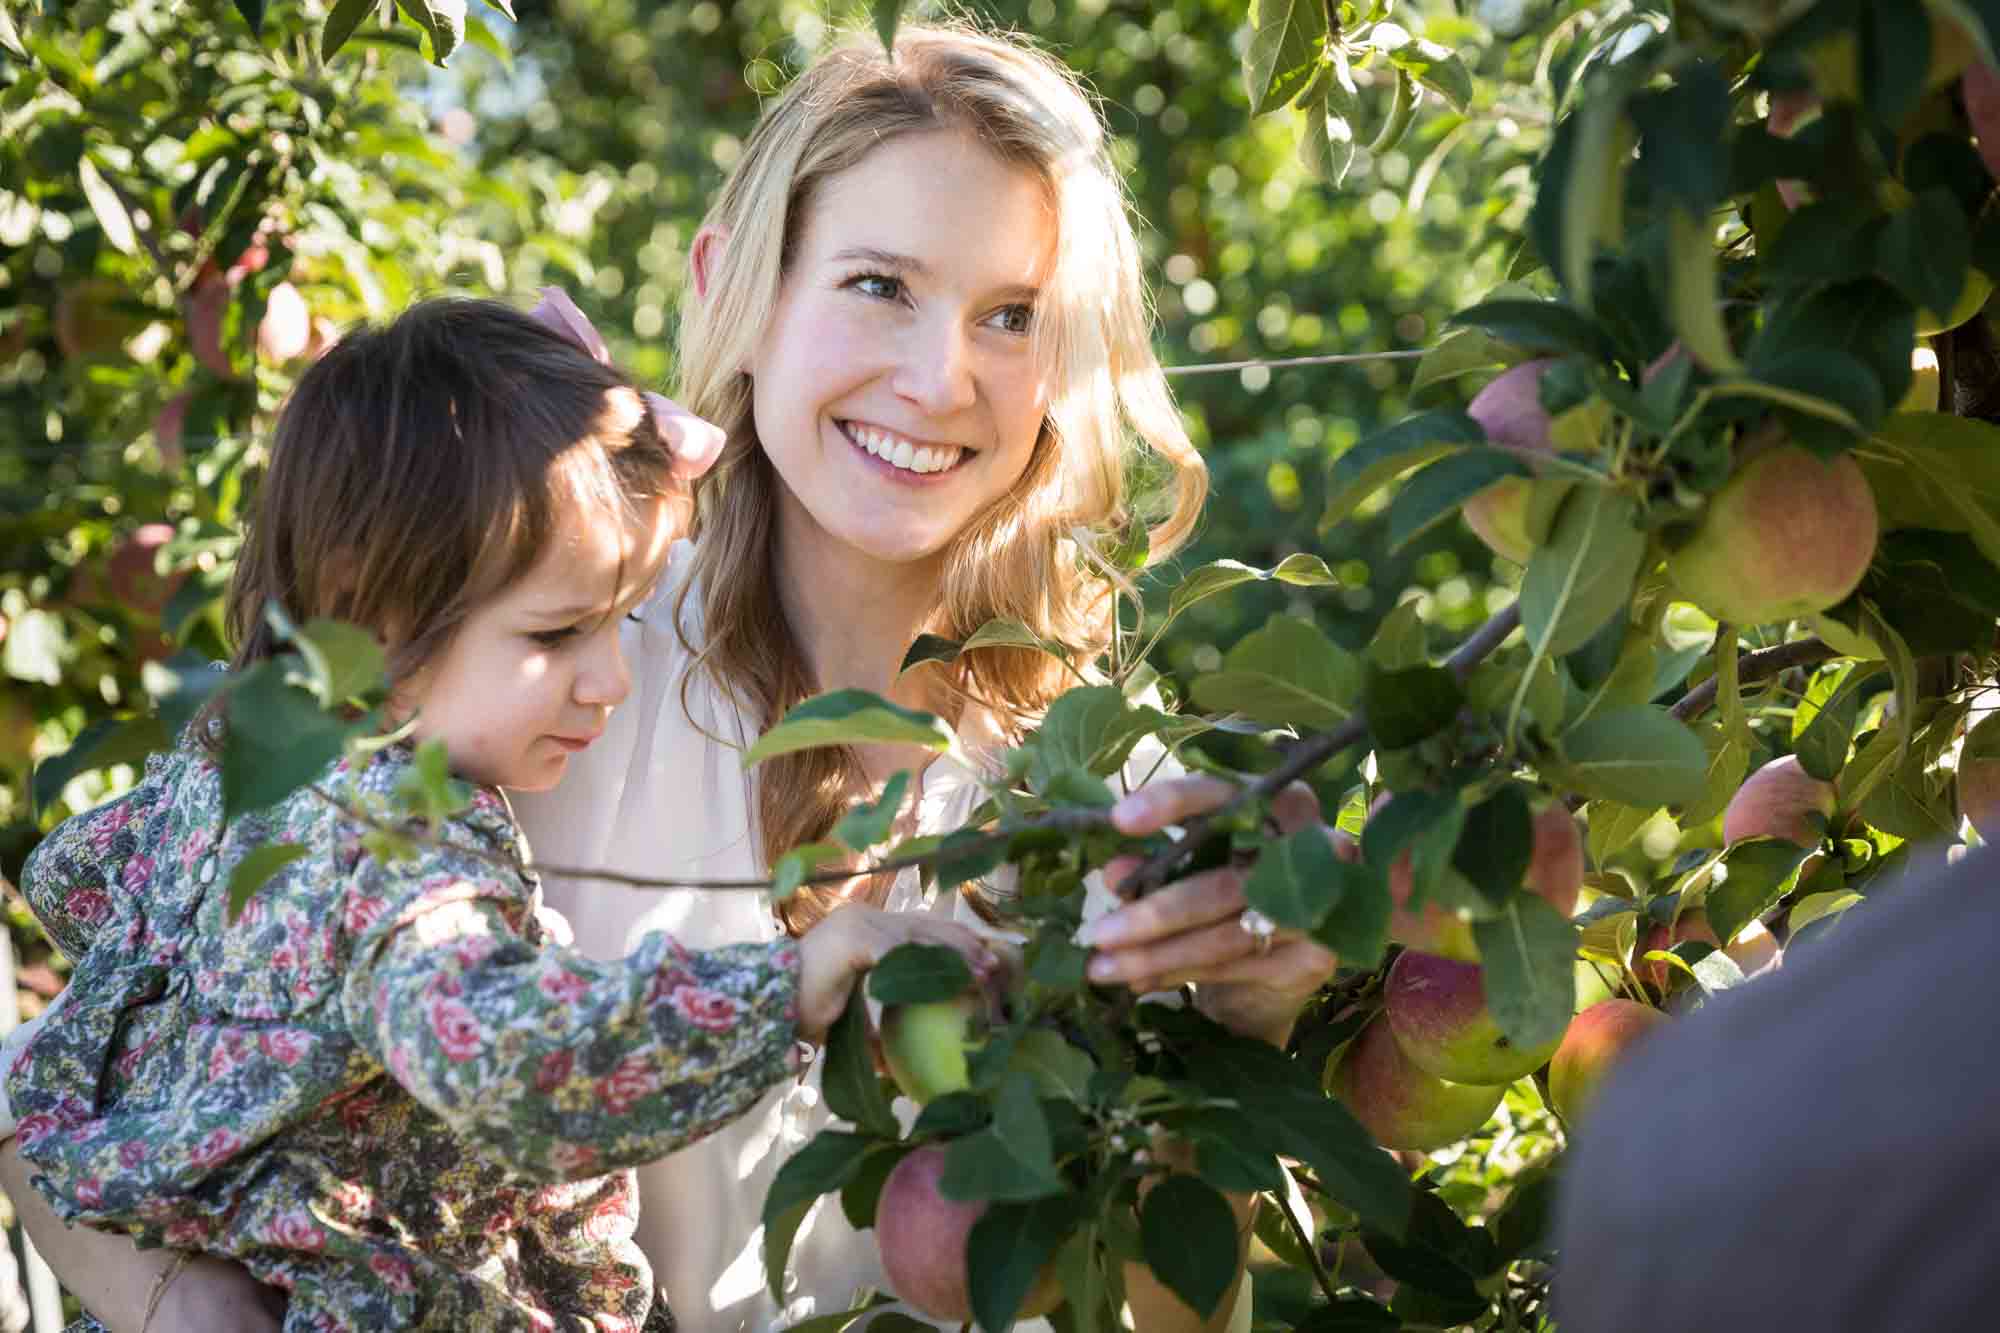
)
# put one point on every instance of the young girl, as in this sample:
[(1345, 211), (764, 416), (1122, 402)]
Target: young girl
[(385, 1087)]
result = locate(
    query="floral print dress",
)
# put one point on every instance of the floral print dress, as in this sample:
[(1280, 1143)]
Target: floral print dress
[(384, 1088)]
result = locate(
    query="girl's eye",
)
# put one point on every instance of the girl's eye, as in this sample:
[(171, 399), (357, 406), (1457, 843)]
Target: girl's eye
[(881, 286), (554, 638), (1015, 318)]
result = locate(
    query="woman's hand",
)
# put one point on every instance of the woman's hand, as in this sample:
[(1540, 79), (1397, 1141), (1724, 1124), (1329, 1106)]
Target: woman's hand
[(1190, 931), (834, 954)]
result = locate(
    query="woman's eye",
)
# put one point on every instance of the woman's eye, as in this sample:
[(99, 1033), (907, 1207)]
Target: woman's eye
[(554, 638), (879, 285)]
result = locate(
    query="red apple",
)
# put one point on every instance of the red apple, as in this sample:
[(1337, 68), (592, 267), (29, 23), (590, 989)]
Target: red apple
[(1788, 535), (207, 306), (1510, 411), (1597, 1040), (923, 1236), (1555, 873), (1401, 1105), (1778, 801), (1437, 1009)]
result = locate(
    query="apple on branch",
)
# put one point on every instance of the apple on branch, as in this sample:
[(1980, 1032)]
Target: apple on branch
[(1437, 1010), (923, 1237), (1400, 1105), (1598, 1038)]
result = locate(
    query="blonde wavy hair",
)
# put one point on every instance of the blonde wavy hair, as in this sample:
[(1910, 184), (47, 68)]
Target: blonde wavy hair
[(1112, 455)]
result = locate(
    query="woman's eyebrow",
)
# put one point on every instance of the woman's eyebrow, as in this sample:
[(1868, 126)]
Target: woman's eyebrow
[(886, 259)]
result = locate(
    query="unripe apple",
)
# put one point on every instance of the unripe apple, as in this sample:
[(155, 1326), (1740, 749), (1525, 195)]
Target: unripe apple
[(1437, 1010), (1401, 1105), (1690, 925), (1788, 535), (1510, 410), (925, 1045), (1778, 801), (923, 1236), (286, 328), (1971, 300), (1598, 1039)]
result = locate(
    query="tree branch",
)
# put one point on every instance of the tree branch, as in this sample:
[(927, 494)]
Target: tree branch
[(1754, 666), (1303, 756)]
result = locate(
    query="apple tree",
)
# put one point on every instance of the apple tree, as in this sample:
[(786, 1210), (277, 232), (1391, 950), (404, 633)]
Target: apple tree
[(1721, 421)]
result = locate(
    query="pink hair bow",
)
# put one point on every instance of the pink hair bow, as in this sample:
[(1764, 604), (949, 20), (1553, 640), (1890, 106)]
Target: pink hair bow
[(694, 442)]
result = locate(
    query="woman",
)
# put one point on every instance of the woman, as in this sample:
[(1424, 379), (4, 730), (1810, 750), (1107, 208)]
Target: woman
[(917, 312)]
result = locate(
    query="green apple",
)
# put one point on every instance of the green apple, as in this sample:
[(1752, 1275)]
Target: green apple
[(926, 1045)]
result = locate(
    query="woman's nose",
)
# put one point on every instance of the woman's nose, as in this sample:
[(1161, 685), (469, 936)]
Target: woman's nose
[(936, 369)]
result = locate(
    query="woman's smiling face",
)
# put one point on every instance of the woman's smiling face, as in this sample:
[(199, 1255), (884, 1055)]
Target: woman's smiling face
[(896, 389)]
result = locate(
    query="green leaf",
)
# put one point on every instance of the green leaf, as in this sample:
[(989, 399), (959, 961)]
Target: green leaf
[(1728, 762), (10, 36), (848, 1081), (888, 16), (1326, 140), (840, 1321), (1950, 465), (1092, 728), (1528, 955), (256, 869), (919, 974), (1350, 1314), (343, 662), (1299, 570), (1281, 1104), (1759, 872), (1583, 576), (427, 788), (1925, 250), (109, 209), (1441, 488), (1692, 305), (1286, 674), (1406, 706), (347, 15), (278, 739), (983, 1166), (1400, 640), (1524, 1226), (1912, 803), (870, 823), (849, 717), (1537, 326), (1437, 68), (443, 21), (1058, 1069), (1640, 755), (1822, 746), (107, 741), (793, 868), (860, 1195), (1387, 454), (1356, 927), (1497, 844), (1286, 39), (1188, 1234), (1293, 881), (824, 1165), (1007, 1250)]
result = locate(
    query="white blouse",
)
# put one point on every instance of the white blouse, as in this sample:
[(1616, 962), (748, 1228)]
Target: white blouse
[(663, 793)]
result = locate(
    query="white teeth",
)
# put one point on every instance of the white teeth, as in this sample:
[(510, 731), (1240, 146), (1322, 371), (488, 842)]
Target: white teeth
[(898, 452)]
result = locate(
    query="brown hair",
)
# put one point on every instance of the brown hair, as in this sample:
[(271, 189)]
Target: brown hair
[(422, 466), (1033, 555)]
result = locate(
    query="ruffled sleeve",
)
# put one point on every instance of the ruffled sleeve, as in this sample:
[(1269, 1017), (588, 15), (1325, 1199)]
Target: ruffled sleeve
[(75, 876)]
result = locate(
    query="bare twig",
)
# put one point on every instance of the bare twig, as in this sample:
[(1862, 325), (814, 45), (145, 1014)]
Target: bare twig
[(1306, 1243), (1754, 666)]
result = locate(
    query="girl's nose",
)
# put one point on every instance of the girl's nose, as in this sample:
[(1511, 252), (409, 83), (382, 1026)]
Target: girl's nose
[(604, 679)]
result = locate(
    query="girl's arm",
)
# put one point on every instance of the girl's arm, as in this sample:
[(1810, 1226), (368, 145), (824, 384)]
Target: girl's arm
[(115, 1279), (565, 1066)]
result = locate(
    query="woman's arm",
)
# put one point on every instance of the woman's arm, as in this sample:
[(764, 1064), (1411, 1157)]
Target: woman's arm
[(115, 1278)]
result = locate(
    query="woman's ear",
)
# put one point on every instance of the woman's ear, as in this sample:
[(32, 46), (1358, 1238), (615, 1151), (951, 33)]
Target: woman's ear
[(703, 258)]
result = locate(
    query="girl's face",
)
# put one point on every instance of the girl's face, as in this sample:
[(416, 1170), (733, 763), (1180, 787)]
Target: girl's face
[(896, 390), (531, 675)]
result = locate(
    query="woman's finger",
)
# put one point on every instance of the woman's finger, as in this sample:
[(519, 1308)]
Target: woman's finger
[(1296, 965), (694, 442), (1173, 801), (1294, 807), (1187, 904), (1187, 953)]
